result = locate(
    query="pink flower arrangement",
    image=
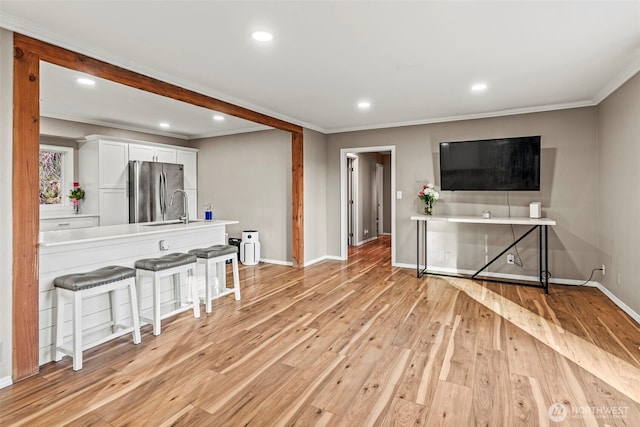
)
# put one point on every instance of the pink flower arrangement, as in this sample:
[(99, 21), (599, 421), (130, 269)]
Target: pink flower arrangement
[(428, 194)]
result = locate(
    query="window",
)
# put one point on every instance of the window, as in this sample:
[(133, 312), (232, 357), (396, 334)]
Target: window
[(56, 175)]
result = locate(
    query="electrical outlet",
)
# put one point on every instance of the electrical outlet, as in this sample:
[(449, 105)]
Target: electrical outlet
[(366, 231), (511, 259), (604, 269)]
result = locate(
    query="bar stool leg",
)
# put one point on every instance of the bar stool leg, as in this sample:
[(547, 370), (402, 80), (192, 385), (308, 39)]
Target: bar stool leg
[(208, 274), (77, 331), (115, 312), (236, 277), (156, 304), (193, 286), (133, 299), (59, 330)]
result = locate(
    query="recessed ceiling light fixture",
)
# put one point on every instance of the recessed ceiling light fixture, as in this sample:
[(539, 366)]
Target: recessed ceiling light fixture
[(479, 87), (85, 81), (218, 118), (262, 36), (164, 125), (363, 105)]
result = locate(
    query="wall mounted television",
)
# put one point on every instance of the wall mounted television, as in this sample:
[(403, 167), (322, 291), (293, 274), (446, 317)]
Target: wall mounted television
[(503, 164)]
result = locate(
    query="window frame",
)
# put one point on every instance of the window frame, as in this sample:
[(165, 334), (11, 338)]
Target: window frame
[(67, 177)]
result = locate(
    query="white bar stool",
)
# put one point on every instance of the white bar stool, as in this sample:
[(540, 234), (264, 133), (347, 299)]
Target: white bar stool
[(169, 265), (212, 258), (76, 287)]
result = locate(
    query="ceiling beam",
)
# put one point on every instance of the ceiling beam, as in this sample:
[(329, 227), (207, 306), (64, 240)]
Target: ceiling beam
[(76, 61)]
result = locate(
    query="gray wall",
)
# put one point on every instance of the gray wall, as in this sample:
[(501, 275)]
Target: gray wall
[(6, 150), (315, 195), (569, 175), (618, 195), (247, 177)]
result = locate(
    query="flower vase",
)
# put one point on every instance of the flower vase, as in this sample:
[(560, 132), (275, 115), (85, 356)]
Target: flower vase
[(76, 206), (428, 208)]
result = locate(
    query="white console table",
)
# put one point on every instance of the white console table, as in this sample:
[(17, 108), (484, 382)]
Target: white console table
[(541, 224)]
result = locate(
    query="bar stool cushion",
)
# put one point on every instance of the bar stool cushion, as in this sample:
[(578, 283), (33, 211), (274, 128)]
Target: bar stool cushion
[(214, 251), (79, 281), (165, 262)]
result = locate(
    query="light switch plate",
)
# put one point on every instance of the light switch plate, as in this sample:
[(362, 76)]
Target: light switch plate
[(398, 195)]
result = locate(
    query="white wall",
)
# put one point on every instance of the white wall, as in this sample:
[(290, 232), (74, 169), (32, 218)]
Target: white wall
[(569, 165), (6, 145), (247, 177), (315, 196), (618, 194)]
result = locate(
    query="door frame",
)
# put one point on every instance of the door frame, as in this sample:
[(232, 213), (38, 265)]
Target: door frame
[(343, 196)]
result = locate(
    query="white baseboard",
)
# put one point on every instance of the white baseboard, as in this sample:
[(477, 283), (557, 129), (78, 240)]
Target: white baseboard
[(624, 307), (315, 261), (335, 258), (385, 234), (5, 382), (277, 262), (370, 239)]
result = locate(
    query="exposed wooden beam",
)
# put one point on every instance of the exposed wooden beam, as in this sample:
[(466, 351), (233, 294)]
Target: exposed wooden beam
[(68, 59), (26, 107), (297, 198), (26, 215)]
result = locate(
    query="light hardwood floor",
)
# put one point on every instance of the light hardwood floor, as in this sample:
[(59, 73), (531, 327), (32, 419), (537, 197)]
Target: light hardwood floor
[(357, 343)]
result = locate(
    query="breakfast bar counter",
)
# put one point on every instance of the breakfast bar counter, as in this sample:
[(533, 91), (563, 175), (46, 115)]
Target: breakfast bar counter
[(85, 249)]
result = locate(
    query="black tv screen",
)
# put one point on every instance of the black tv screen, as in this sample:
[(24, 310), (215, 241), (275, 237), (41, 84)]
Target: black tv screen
[(505, 164)]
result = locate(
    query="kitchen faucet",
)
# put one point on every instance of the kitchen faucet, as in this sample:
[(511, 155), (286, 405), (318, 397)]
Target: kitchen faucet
[(185, 216)]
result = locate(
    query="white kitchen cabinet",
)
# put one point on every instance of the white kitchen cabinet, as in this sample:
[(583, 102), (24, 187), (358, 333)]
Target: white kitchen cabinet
[(114, 206), (69, 222), (189, 158), (113, 158), (152, 153)]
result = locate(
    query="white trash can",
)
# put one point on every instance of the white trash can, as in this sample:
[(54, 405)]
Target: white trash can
[(250, 248)]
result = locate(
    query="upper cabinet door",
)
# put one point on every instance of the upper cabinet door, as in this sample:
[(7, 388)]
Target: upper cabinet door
[(190, 161), (165, 155), (113, 164), (144, 153)]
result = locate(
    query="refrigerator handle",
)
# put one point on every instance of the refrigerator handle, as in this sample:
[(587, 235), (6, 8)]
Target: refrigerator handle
[(164, 194), (161, 191)]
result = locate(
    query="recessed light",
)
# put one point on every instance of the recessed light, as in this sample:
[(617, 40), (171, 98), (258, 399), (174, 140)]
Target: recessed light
[(262, 36), (164, 125), (218, 118), (479, 87), (364, 104), (85, 81)]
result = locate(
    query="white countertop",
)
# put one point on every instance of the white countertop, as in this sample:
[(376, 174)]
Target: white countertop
[(481, 220), (92, 234)]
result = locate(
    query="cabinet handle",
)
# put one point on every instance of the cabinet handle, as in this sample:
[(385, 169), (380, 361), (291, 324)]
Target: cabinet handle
[(62, 224)]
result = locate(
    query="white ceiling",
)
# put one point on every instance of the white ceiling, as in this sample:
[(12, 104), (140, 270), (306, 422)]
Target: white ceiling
[(414, 61)]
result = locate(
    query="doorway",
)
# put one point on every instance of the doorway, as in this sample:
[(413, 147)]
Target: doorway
[(367, 206)]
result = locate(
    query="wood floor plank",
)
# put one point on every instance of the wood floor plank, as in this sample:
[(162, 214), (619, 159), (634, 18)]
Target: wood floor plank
[(355, 342)]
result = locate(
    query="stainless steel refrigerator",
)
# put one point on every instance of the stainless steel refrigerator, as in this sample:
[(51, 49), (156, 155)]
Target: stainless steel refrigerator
[(151, 185)]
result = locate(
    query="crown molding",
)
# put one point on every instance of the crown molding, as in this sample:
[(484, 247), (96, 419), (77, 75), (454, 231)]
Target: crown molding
[(621, 78)]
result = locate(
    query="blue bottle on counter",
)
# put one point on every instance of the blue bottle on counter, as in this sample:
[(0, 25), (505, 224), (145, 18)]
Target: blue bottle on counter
[(208, 212)]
